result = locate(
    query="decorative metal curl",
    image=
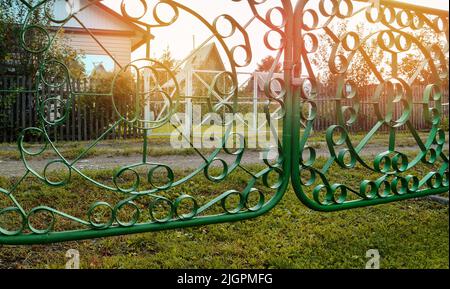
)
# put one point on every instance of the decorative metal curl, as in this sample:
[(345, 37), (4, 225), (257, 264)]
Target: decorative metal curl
[(392, 102), (145, 205)]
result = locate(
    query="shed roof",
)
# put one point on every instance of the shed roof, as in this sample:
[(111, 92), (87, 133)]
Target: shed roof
[(198, 61)]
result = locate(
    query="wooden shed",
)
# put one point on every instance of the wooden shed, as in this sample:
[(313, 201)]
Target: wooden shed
[(199, 70)]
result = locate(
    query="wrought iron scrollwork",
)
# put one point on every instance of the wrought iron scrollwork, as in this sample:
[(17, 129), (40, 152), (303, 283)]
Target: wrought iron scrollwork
[(394, 34), (297, 100)]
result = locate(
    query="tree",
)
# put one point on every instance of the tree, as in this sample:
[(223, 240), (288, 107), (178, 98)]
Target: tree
[(15, 59), (167, 59), (410, 64), (358, 70), (169, 62), (266, 65)]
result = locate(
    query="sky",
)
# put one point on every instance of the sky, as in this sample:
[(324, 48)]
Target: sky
[(187, 31), (92, 60), (441, 4)]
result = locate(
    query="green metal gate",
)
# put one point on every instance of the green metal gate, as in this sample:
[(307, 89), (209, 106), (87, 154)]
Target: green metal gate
[(387, 176)]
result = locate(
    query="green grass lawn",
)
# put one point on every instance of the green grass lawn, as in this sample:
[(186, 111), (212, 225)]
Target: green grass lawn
[(408, 234)]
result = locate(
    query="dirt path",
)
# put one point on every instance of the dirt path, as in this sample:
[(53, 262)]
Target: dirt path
[(15, 168)]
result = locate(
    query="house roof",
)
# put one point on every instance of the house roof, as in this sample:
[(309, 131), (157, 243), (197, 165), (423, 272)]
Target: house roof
[(200, 58), (98, 69), (198, 61), (145, 34)]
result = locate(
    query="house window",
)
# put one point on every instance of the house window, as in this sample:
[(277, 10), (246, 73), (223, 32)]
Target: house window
[(95, 63)]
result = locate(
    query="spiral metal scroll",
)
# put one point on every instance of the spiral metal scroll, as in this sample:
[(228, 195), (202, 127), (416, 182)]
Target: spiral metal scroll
[(143, 195), (395, 26)]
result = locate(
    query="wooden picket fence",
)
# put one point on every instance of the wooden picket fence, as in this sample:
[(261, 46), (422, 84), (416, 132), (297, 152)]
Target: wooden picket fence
[(91, 116), (366, 119), (88, 119)]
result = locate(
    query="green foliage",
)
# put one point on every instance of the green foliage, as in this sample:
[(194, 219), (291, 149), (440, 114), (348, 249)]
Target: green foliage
[(359, 72), (11, 12), (267, 63), (414, 65), (6, 102), (445, 125), (98, 97), (168, 61), (122, 86), (12, 52), (16, 62)]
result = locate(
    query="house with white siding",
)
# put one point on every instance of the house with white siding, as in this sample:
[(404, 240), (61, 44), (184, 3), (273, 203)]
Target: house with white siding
[(98, 30)]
